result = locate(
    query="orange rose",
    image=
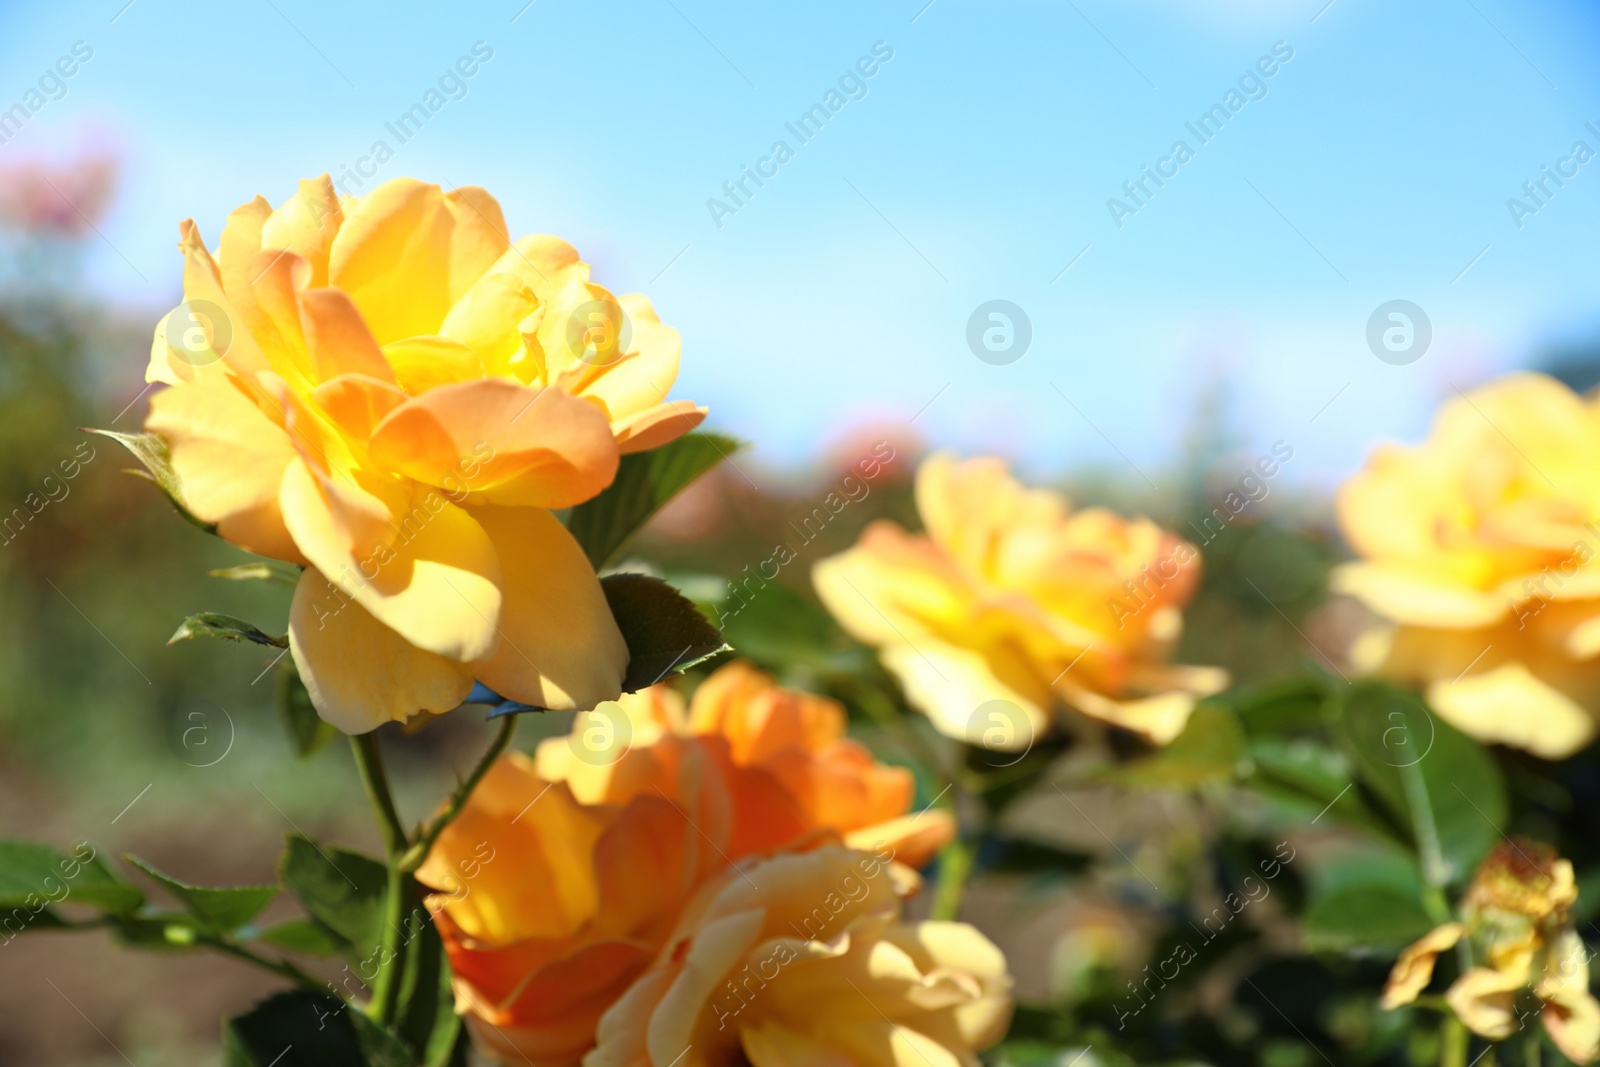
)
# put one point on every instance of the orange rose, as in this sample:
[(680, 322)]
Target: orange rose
[(388, 390), (549, 908), (786, 745), (549, 905)]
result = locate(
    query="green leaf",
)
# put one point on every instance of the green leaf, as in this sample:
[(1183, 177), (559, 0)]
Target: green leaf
[(1365, 866), (214, 624), (342, 891), (1434, 779), (777, 628), (220, 910), (1318, 770), (152, 452), (1369, 918), (665, 632), (1210, 749), (33, 876), (299, 935), (266, 570), (1280, 706), (321, 1031), (645, 481), (306, 729), (1313, 781)]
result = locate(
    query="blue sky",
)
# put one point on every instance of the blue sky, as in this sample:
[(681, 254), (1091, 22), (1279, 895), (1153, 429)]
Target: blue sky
[(977, 167)]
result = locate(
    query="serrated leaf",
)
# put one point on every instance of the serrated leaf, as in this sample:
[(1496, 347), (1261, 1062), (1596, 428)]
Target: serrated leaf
[(645, 481), (152, 452), (306, 729), (1421, 768), (266, 570), (221, 909), (1370, 918), (321, 1031), (664, 631), (299, 935), (1210, 749), (215, 624), (342, 891), (34, 876)]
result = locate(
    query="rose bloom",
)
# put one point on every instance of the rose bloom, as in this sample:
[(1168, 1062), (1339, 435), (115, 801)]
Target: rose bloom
[(1516, 920), (390, 392), (555, 895), (1011, 603), (1477, 548), (790, 745), (550, 908), (805, 959)]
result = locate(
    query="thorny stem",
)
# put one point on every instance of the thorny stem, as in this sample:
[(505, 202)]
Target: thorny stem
[(413, 856)]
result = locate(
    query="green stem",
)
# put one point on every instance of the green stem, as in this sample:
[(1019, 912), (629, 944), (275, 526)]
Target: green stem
[(391, 960), (1453, 1043), (418, 852), (955, 864), (1434, 869), (369, 761), (280, 967)]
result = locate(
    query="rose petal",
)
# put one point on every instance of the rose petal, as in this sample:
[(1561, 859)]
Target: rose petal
[(560, 647), (360, 673), (511, 445), (438, 585), (230, 459), (408, 251)]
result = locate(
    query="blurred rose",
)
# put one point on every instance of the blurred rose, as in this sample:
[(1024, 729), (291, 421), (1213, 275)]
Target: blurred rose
[(1479, 547), (63, 199), (389, 391), (1516, 919), (1011, 602), (781, 748), (804, 959)]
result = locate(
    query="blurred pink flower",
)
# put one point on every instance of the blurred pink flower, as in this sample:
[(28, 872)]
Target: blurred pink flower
[(61, 198)]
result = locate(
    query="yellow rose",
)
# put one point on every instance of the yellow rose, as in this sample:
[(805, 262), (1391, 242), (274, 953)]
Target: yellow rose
[(783, 752), (805, 959), (1516, 920), (388, 390), (1011, 602), (1478, 546)]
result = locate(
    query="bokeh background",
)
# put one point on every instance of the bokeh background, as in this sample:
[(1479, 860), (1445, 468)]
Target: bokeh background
[(828, 310)]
